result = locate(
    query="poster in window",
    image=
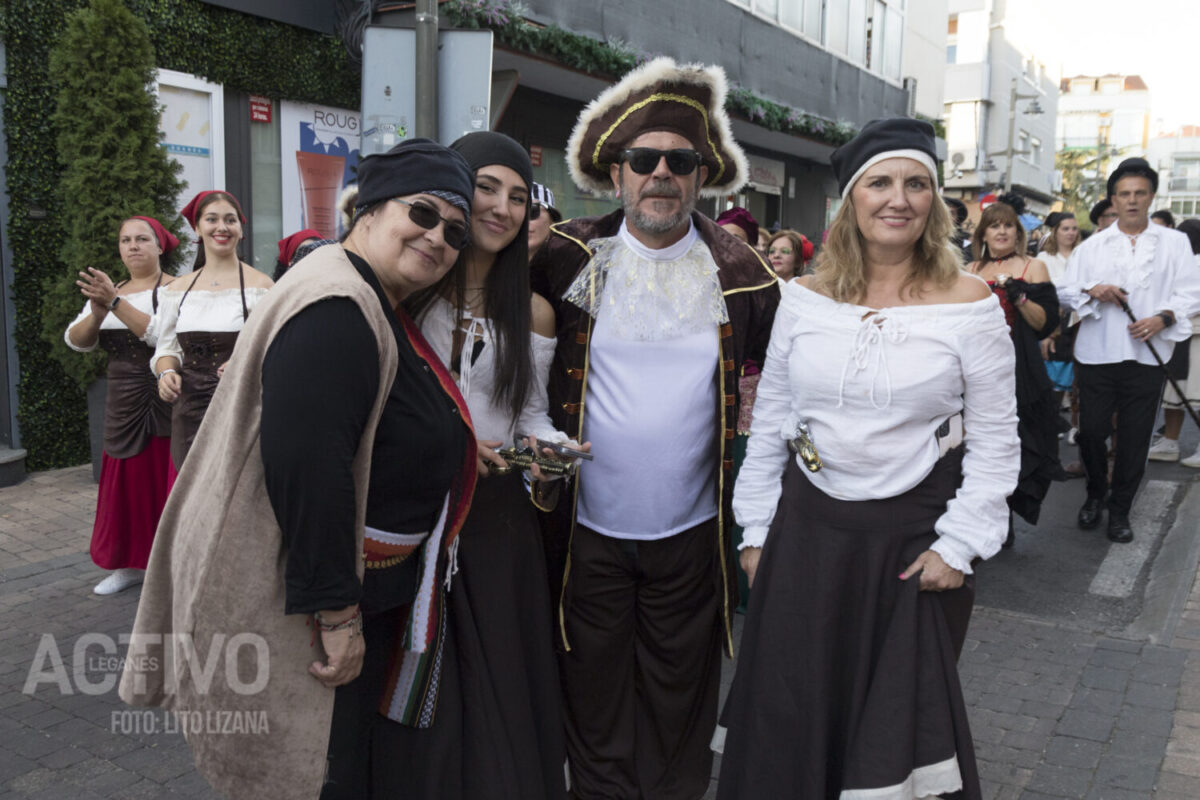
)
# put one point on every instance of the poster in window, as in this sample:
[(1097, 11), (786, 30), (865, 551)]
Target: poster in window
[(319, 146)]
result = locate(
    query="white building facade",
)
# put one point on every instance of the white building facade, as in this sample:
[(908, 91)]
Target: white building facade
[(982, 68), (1176, 157)]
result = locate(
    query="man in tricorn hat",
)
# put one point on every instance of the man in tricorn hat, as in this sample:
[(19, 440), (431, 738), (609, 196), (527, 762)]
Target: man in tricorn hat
[(1149, 269), (657, 308)]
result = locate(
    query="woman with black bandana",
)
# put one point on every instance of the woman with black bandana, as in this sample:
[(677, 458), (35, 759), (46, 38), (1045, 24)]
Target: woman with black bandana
[(499, 733), (322, 502)]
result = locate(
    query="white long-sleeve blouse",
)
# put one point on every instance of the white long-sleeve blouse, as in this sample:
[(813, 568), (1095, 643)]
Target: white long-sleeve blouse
[(477, 376), (873, 386)]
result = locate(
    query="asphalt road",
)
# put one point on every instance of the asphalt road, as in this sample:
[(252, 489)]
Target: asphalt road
[(1064, 575)]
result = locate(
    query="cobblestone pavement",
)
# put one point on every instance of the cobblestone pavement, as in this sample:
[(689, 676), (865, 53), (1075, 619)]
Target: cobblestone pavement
[(1057, 711)]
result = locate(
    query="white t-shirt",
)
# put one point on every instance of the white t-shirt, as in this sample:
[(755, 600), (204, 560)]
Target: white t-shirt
[(873, 387), (650, 408)]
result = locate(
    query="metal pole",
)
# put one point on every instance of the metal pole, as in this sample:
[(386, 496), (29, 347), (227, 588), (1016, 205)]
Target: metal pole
[(427, 64), (1012, 123)]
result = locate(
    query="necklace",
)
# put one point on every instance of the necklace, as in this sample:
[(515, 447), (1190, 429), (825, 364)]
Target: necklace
[(1005, 257)]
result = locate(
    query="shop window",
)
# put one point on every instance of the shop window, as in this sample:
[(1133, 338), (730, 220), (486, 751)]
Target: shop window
[(550, 169), (193, 126), (266, 202)]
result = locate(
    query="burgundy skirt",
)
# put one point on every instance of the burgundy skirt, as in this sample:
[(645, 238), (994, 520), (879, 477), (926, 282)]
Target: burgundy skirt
[(846, 683), (132, 494)]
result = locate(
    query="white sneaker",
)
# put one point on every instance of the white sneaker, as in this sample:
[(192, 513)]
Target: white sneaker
[(120, 580), (1165, 450), (1193, 460)]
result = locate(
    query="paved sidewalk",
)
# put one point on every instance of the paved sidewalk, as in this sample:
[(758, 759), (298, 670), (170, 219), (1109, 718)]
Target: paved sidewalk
[(1057, 711)]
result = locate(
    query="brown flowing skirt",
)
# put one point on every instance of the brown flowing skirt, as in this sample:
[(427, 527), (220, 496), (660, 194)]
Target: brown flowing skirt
[(847, 678)]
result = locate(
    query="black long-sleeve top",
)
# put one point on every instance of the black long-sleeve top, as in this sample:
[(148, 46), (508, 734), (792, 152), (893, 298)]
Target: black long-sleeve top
[(320, 377)]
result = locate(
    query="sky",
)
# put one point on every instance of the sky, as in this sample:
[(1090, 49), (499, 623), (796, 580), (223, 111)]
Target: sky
[(1156, 39)]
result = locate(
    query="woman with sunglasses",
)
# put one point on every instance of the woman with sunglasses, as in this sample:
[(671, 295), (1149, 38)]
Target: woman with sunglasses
[(122, 319), (201, 316), (498, 734), (318, 512)]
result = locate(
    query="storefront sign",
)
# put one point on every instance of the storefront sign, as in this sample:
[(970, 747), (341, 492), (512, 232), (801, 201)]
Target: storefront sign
[(766, 176), (260, 108), (319, 146)]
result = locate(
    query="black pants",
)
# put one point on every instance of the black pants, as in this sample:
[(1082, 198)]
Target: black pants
[(642, 676), (1133, 392)]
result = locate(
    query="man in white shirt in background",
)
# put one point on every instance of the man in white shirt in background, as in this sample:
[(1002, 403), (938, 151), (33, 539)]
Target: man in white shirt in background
[(1150, 269), (657, 308)]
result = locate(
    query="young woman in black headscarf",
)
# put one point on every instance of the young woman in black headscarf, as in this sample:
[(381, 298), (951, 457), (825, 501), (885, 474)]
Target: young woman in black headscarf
[(498, 734)]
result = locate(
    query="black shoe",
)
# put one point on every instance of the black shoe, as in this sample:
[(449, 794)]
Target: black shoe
[(1089, 514), (1118, 528)]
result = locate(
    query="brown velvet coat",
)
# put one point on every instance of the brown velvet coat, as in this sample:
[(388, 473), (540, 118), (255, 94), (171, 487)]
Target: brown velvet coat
[(217, 567), (751, 296)]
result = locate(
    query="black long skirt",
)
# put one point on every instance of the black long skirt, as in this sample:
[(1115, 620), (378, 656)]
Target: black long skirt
[(846, 681), (498, 730)]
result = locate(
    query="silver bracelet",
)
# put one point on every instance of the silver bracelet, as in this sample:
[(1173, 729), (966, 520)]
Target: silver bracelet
[(166, 371)]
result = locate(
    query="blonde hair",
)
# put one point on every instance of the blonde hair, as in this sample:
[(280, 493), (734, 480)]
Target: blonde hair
[(1001, 213), (841, 268)]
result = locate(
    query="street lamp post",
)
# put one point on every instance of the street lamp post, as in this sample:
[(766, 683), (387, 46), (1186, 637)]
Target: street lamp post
[(1009, 151)]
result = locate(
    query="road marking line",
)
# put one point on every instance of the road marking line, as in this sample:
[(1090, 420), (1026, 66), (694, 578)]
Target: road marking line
[(1124, 562)]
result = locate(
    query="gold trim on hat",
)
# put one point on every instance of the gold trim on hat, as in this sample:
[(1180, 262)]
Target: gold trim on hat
[(678, 98)]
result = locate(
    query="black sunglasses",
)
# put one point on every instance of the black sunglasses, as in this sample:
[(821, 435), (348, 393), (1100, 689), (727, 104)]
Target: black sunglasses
[(644, 160), (454, 233), (535, 210)]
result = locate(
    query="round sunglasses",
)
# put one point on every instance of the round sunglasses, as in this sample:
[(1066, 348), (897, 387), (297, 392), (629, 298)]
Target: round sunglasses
[(644, 160), (454, 233)]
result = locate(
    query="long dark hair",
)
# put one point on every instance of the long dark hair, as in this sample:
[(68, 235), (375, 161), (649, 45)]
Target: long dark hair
[(507, 299), (208, 200)]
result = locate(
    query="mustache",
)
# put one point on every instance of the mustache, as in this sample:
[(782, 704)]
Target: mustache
[(661, 188)]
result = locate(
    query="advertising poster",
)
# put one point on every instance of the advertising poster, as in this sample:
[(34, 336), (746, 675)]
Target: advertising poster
[(319, 148), (192, 123)]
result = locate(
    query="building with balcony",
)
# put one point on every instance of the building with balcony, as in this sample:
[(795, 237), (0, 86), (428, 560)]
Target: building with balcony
[(1176, 156), (1000, 109), (1104, 112)]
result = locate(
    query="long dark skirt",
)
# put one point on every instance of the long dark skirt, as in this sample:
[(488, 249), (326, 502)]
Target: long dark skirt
[(847, 677), (498, 730)]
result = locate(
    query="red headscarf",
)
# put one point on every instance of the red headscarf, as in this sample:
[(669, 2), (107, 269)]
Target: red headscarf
[(806, 249), (166, 239), (189, 211), (288, 245)]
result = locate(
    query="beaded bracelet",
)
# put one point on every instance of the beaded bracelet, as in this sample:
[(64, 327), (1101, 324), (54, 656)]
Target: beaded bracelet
[(354, 624)]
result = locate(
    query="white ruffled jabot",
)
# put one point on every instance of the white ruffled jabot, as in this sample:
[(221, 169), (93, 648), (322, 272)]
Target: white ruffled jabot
[(646, 298)]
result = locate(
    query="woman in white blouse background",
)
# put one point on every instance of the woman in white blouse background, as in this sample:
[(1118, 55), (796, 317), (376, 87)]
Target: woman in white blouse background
[(202, 314), (889, 359), (122, 319)]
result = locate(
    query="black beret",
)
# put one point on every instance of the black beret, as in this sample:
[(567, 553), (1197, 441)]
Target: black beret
[(488, 147), (414, 166), (1098, 209), (878, 137), (1132, 166)]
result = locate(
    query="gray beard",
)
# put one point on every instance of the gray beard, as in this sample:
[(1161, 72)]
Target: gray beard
[(654, 224)]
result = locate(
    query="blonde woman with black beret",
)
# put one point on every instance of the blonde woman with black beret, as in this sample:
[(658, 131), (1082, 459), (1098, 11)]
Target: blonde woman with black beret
[(846, 684)]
